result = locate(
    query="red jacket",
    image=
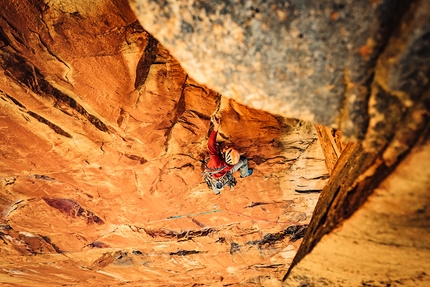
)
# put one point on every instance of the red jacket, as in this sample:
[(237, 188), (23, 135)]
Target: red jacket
[(216, 161)]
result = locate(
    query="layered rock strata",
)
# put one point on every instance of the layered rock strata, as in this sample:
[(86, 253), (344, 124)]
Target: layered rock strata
[(360, 66), (103, 142)]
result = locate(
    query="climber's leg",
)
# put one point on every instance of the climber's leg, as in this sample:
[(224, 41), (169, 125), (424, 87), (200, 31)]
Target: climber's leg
[(243, 166)]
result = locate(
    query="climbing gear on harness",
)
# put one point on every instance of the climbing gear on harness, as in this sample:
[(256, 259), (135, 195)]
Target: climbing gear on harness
[(226, 180), (231, 156), (219, 183)]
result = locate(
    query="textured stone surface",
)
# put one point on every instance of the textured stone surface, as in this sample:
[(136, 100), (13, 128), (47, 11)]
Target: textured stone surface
[(386, 242), (402, 76), (311, 60), (103, 138), (386, 176), (361, 66)]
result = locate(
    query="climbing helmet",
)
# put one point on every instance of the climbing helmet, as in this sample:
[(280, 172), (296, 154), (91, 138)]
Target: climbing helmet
[(231, 156)]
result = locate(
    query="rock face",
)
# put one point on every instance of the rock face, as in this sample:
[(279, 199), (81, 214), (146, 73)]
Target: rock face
[(310, 60), (103, 142), (360, 66), (385, 242), (371, 222)]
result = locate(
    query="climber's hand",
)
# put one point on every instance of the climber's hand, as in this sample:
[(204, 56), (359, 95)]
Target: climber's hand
[(216, 122)]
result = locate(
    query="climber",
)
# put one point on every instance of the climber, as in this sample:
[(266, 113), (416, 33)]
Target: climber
[(223, 163)]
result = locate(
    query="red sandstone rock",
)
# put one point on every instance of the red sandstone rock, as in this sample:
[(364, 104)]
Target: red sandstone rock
[(103, 141)]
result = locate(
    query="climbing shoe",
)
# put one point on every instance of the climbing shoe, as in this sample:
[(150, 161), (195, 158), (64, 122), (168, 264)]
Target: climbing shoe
[(250, 171)]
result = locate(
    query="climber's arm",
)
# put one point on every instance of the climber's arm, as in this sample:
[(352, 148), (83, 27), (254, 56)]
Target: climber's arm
[(212, 143), (216, 122), (212, 138)]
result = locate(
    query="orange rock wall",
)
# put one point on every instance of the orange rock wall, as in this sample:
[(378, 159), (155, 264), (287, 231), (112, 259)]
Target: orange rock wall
[(103, 139)]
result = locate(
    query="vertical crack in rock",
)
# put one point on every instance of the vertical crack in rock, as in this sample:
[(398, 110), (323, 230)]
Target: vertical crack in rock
[(137, 252), (234, 247), (62, 99), (15, 101), (137, 184), (15, 33), (101, 147), (122, 119), (54, 55), (148, 58), (27, 243), (185, 252), (310, 190), (73, 209), (10, 180), (105, 260), (13, 207), (156, 180), (54, 127), (48, 241), (43, 7), (17, 68), (294, 232), (98, 244), (39, 118), (42, 177), (3, 38), (123, 259), (134, 157), (188, 126), (189, 234), (200, 115)]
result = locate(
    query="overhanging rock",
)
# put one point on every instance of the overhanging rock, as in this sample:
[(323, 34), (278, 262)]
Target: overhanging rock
[(311, 60)]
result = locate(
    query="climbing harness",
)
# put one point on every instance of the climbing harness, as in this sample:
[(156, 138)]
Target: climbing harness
[(218, 183)]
